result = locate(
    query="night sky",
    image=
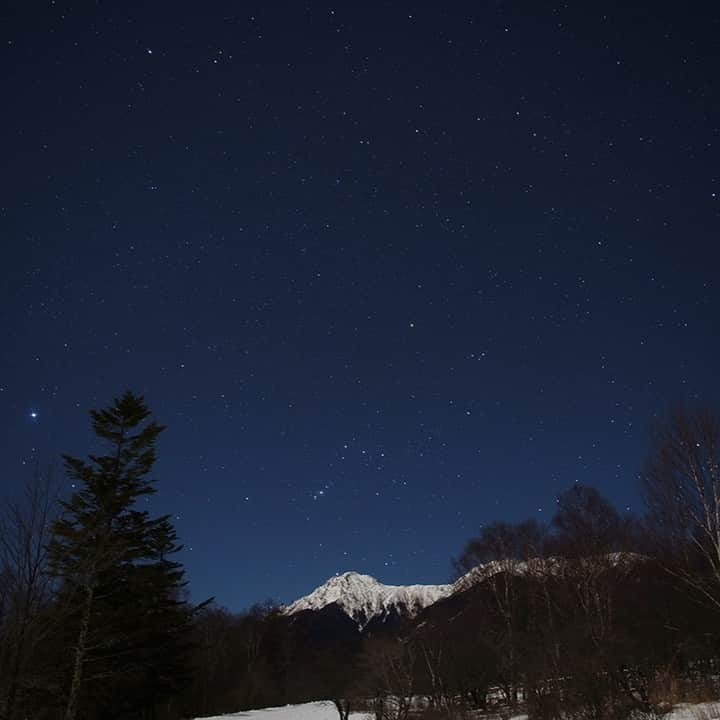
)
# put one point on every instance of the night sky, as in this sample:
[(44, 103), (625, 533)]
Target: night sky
[(387, 271)]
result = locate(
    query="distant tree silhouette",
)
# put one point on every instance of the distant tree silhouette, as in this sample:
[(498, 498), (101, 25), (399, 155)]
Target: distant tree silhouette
[(586, 524)]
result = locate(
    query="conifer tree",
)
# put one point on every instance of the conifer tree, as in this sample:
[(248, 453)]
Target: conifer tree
[(128, 622)]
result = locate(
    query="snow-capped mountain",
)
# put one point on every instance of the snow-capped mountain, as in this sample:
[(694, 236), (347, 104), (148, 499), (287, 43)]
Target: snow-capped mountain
[(364, 598)]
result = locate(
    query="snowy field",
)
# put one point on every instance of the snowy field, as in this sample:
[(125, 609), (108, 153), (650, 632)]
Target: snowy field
[(703, 711), (327, 711), (308, 711)]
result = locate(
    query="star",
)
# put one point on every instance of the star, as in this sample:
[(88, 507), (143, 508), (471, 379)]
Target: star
[(328, 325)]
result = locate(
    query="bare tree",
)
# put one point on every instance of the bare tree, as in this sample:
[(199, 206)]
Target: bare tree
[(498, 556), (591, 541), (24, 589), (389, 666), (681, 483), (586, 525), (589, 534)]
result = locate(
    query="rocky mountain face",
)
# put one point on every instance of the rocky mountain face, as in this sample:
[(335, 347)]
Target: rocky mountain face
[(364, 599)]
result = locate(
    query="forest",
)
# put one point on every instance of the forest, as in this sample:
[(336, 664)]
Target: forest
[(598, 614)]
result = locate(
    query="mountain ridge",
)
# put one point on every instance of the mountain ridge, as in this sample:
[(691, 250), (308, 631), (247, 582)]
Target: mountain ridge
[(363, 598)]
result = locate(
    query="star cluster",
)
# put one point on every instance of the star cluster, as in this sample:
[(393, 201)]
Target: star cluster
[(387, 272)]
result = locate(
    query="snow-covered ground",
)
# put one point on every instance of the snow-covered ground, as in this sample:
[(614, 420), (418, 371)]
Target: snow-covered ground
[(327, 711), (702, 711), (308, 711)]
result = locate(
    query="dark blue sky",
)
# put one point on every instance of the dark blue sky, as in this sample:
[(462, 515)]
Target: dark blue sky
[(387, 271)]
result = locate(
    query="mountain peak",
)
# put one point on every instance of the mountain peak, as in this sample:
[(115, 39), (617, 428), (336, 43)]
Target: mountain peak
[(363, 597), (350, 576)]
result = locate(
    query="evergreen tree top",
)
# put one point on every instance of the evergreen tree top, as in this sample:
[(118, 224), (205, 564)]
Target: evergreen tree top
[(101, 520), (130, 439)]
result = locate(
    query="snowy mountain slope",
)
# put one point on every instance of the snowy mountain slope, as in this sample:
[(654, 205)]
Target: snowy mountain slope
[(540, 566), (363, 598)]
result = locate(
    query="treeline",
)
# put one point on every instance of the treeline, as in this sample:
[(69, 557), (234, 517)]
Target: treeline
[(566, 621), (598, 614)]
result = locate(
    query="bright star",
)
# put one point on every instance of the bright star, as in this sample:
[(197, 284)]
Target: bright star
[(33, 414)]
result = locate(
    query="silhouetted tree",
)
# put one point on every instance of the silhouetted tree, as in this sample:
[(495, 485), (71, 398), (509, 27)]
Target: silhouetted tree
[(389, 674), (681, 483), (126, 636), (497, 556), (24, 592), (586, 524)]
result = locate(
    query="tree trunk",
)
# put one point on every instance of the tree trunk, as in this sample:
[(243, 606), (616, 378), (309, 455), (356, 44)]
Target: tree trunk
[(343, 708), (15, 673), (80, 650)]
